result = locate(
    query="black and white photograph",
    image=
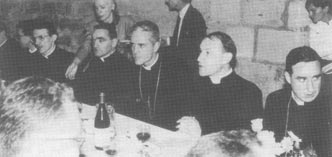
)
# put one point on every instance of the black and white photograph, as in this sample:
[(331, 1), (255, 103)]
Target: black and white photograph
[(165, 78)]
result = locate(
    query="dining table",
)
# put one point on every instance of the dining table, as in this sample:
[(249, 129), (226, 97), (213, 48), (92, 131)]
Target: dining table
[(162, 142)]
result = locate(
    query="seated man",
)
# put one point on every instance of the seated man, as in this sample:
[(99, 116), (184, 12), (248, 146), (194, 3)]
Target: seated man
[(160, 81), (106, 13), (108, 71), (24, 60), (9, 52), (50, 61), (233, 143), (300, 107), (225, 101), (24, 32), (38, 118)]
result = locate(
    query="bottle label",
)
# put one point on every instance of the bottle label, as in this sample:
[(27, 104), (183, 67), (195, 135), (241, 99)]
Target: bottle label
[(102, 137)]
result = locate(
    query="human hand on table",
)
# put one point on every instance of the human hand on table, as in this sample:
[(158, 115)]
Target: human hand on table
[(190, 126)]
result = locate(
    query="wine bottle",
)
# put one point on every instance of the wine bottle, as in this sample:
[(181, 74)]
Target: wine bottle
[(102, 124)]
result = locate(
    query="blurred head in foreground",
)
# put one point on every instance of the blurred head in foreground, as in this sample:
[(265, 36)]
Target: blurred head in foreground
[(38, 117), (235, 143)]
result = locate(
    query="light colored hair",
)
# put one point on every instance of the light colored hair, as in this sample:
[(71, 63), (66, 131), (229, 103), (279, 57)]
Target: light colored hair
[(26, 102), (235, 143)]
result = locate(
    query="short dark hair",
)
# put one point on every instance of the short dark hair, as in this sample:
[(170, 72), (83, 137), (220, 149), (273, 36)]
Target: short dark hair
[(25, 102), (109, 27), (300, 54), (43, 24), (26, 26), (319, 3), (186, 1), (227, 43), (148, 26), (226, 143)]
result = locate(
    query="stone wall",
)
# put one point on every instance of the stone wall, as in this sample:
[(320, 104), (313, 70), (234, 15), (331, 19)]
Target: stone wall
[(257, 27)]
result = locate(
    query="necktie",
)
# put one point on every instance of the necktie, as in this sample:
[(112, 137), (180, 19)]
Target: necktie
[(176, 31)]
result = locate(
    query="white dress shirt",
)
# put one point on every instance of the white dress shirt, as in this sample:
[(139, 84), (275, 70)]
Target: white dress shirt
[(320, 39), (182, 12)]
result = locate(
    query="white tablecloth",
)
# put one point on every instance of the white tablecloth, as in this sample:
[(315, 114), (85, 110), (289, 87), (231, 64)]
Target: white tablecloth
[(163, 142)]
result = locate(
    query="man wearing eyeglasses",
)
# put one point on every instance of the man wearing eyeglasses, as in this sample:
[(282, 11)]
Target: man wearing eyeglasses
[(51, 61), (39, 118)]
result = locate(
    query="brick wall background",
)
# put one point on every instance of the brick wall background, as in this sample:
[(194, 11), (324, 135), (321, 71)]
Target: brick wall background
[(258, 27)]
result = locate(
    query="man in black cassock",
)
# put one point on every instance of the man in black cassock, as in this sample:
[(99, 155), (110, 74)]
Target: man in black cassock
[(301, 107), (108, 71), (160, 81), (9, 56), (225, 101), (49, 61)]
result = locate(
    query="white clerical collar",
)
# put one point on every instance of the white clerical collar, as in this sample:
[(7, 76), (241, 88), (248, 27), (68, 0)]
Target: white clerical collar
[(184, 10), (103, 57), (297, 100), (3, 43), (49, 52), (150, 66), (33, 50), (216, 79)]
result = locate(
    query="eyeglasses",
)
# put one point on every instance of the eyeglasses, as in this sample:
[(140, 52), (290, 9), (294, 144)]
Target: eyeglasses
[(40, 38)]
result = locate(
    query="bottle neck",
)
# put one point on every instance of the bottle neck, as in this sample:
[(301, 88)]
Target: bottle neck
[(102, 98)]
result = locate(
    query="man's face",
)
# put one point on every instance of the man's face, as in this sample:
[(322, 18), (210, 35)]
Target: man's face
[(43, 40), (305, 80), (25, 40), (144, 50), (102, 43), (173, 5), (211, 58), (317, 14), (104, 9)]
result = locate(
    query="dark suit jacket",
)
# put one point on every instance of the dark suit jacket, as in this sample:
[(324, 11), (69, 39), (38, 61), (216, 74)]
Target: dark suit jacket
[(54, 67), (192, 32), (308, 122), (230, 105)]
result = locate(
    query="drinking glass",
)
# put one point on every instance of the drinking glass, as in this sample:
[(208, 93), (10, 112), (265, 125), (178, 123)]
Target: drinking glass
[(143, 133)]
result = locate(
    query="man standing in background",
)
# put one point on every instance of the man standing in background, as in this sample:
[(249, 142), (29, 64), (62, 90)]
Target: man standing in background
[(189, 31)]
